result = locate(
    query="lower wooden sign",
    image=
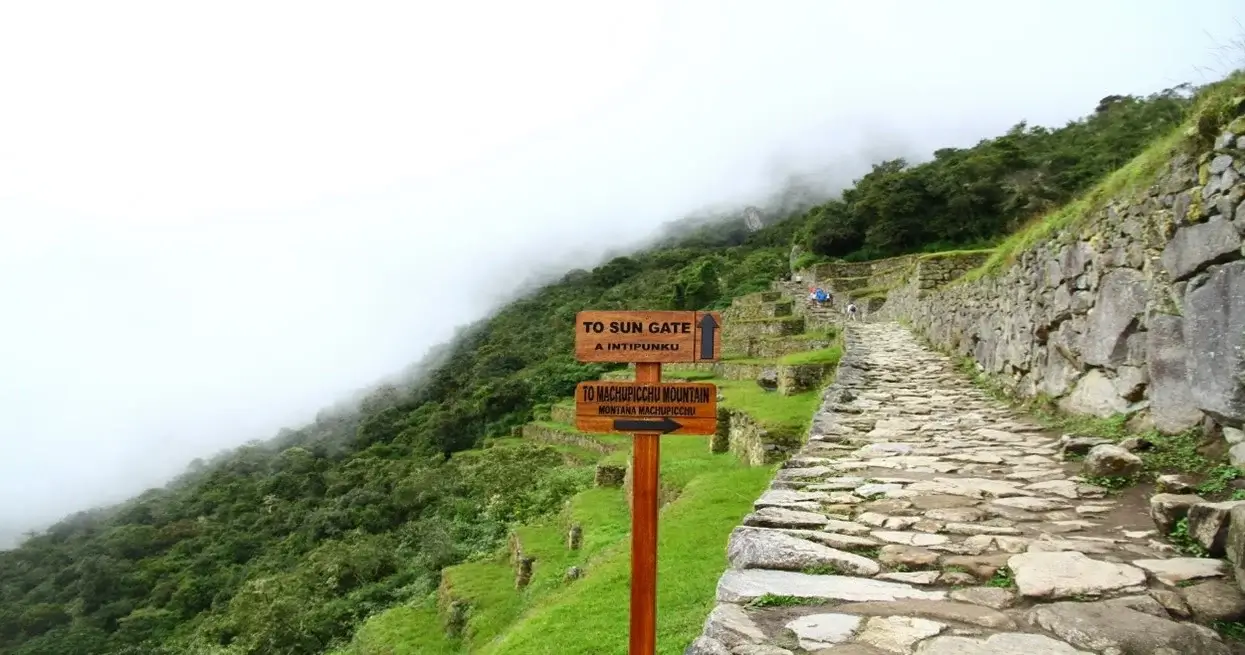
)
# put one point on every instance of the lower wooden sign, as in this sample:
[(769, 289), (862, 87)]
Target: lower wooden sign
[(668, 408)]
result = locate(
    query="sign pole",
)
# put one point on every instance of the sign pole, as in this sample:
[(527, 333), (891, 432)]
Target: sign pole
[(646, 454)]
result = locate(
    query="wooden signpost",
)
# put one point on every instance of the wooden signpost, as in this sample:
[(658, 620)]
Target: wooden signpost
[(648, 408)]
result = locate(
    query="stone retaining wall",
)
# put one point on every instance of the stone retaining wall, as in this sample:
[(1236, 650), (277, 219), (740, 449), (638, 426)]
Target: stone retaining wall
[(755, 444), (547, 434), (822, 273), (773, 347), (1139, 308), (756, 328), (562, 414), (793, 379)]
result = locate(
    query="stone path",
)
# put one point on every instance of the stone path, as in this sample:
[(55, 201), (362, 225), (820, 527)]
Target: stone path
[(924, 517)]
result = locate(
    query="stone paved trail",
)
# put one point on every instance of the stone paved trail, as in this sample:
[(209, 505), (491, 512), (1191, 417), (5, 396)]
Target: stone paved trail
[(925, 517)]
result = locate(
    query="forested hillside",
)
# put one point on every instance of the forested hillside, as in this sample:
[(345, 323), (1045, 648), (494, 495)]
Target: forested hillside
[(285, 547)]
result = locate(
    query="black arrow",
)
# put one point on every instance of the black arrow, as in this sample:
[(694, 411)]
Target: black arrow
[(663, 426), (707, 326)]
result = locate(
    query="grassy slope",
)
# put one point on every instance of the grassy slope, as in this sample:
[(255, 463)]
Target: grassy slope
[(590, 615), (1211, 115)]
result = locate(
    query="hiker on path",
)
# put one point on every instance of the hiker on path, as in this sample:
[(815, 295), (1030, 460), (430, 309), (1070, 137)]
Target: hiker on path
[(851, 312), (820, 296), (812, 296)]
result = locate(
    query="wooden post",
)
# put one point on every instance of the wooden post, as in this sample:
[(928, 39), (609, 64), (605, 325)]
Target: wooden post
[(647, 458)]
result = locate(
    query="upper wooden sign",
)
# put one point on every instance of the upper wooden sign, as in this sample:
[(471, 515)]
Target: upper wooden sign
[(652, 337)]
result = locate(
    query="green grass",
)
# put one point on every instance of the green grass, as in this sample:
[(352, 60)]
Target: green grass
[(768, 407), (590, 617), (943, 254), (489, 586), (743, 359), (407, 630), (716, 491), (690, 375), (829, 355)]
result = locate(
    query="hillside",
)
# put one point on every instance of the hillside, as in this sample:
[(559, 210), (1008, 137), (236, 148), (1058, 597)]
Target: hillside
[(402, 508)]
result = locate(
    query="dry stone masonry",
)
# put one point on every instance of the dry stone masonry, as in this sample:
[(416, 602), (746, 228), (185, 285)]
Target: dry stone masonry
[(1139, 310), (924, 517)]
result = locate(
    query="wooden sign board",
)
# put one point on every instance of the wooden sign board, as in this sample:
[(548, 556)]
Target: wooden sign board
[(648, 337), (668, 408)]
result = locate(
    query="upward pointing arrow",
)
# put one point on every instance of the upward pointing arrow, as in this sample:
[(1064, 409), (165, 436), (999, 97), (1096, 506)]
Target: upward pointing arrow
[(707, 327)]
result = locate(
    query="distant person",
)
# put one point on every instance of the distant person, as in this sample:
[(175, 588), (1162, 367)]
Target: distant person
[(812, 296), (820, 297), (851, 312)]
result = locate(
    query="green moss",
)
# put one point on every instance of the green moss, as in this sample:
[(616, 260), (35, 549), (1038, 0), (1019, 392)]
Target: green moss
[(1237, 126), (829, 355), (1195, 205), (945, 254)]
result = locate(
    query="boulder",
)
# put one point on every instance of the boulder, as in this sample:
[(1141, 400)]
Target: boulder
[(1173, 483), (1072, 445), (1167, 509), (1215, 600), (1208, 524), (1096, 395), (1110, 461)]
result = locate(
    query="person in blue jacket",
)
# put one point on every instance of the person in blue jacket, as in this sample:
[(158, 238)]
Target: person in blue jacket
[(820, 295)]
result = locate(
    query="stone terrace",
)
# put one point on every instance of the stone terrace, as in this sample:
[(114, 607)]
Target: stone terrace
[(924, 517)]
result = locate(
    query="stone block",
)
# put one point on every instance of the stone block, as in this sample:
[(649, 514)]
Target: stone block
[(1214, 335)]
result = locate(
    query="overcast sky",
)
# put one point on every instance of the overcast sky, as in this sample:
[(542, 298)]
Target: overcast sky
[(216, 218)]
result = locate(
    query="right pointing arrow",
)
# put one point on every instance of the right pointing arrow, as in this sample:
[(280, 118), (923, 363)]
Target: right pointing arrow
[(665, 425), (708, 325)]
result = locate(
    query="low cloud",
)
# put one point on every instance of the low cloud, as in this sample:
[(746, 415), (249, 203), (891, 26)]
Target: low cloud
[(215, 221)]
